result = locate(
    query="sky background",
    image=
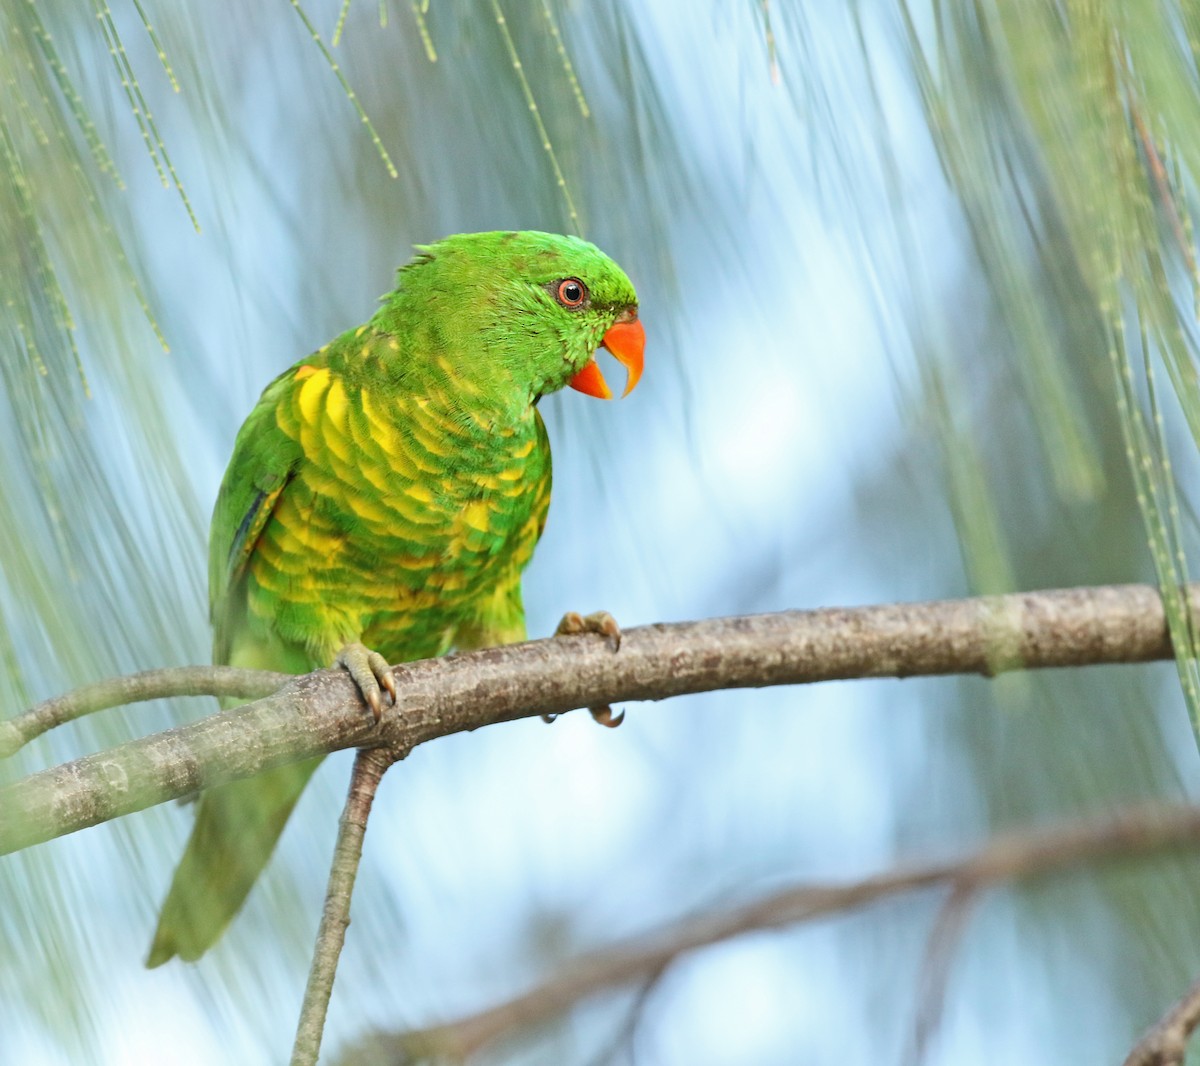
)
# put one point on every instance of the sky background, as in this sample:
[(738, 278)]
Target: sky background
[(836, 410)]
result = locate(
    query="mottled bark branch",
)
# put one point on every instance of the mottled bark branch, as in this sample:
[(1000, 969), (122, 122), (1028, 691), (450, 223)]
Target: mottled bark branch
[(1166, 1042), (369, 768), (1012, 857), (219, 681), (321, 712)]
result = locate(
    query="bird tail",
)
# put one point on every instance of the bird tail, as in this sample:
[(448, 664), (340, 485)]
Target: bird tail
[(237, 827)]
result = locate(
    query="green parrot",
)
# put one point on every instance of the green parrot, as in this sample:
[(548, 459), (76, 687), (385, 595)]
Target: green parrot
[(383, 498)]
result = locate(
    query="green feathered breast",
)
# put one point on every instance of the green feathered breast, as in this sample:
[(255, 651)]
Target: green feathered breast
[(389, 489), (391, 519)]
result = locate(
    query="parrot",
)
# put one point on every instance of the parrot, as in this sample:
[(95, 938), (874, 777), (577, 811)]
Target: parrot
[(383, 498)]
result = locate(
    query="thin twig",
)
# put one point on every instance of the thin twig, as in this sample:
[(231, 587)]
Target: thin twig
[(322, 712), (1165, 1044), (1015, 856), (220, 681), (369, 768), (944, 938), (627, 1033)]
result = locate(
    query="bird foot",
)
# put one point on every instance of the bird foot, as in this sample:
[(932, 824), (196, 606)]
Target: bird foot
[(605, 625), (603, 715), (601, 622), (370, 670)]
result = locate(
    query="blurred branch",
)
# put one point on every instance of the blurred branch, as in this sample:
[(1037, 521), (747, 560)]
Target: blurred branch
[(369, 767), (947, 932), (1010, 857), (219, 681), (626, 1035), (1166, 1042), (322, 712)]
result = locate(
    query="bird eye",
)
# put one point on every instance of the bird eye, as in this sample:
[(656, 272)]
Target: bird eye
[(570, 292)]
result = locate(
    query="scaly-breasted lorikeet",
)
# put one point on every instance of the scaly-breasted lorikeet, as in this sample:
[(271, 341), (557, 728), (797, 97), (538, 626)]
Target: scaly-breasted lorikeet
[(385, 494)]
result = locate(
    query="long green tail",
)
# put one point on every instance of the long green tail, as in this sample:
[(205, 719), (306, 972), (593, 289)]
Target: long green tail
[(237, 827)]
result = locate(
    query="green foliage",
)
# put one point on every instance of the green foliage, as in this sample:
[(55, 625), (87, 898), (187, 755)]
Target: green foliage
[(1069, 134)]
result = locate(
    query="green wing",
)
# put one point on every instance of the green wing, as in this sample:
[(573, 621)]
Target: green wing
[(238, 824), (264, 461)]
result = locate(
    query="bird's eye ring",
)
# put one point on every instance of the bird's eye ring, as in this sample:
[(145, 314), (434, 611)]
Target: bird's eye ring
[(571, 292)]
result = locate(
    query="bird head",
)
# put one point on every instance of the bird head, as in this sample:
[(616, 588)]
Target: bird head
[(521, 314)]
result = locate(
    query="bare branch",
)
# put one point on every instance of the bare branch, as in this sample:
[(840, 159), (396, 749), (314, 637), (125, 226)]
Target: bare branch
[(1166, 1042), (321, 712), (626, 1035), (369, 768), (1016, 856), (944, 938), (219, 681)]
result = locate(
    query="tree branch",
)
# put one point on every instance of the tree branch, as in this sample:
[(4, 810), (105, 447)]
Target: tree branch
[(1166, 1042), (219, 681), (947, 931), (1015, 856), (321, 712), (369, 768)]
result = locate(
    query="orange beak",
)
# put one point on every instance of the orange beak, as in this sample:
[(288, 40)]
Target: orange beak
[(625, 339)]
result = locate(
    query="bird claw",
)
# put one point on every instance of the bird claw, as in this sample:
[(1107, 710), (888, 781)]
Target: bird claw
[(605, 625), (604, 716), (600, 715), (369, 670), (600, 622)]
